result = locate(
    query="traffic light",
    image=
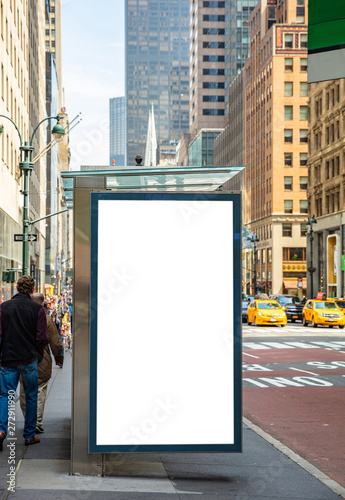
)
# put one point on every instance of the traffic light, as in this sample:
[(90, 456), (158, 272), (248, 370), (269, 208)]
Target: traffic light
[(9, 276)]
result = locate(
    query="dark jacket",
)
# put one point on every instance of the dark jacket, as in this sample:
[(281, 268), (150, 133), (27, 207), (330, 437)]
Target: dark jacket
[(23, 331), (45, 367)]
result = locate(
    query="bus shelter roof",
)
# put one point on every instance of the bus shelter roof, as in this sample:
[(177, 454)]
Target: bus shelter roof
[(129, 179)]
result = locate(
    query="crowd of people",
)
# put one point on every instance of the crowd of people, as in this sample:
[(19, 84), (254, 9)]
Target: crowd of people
[(32, 329), (60, 308)]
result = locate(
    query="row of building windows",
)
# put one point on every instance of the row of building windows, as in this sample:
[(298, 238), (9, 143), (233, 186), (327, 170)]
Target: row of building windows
[(213, 58), (288, 206), (332, 98), (303, 112), (332, 202), (288, 135), (214, 18), (213, 112), (288, 183), (288, 89), (295, 41), (213, 31), (332, 134), (289, 64), (287, 230), (288, 159)]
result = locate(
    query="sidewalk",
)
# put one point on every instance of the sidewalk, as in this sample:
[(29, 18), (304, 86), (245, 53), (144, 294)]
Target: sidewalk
[(261, 472)]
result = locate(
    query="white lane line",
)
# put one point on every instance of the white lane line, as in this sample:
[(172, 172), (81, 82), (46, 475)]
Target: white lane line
[(305, 371), (251, 355)]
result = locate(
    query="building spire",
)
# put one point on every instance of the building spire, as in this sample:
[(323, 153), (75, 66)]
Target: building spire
[(151, 141)]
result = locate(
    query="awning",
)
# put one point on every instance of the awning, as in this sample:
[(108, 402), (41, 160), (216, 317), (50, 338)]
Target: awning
[(293, 284)]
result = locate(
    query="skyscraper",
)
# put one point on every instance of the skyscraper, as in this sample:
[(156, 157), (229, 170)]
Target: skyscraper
[(117, 131), (157, 69)]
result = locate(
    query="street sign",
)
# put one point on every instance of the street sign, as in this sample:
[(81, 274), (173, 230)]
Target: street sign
[(20, 237), (326, 39)]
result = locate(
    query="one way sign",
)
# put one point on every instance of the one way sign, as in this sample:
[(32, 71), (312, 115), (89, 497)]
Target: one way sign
[(20, 237)]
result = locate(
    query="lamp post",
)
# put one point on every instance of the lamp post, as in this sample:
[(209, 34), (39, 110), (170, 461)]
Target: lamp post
[(254, 240), (25, 167), (311, 269)]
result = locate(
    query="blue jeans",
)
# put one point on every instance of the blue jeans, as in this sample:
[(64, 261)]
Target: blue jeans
[(9, 382)]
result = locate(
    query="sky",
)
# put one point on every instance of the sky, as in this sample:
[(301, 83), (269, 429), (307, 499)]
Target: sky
[(93, 72)]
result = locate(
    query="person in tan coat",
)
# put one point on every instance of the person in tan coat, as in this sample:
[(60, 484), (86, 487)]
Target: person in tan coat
[(45, 366)]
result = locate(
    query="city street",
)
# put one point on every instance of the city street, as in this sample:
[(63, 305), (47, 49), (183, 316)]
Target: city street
[(294, 389)]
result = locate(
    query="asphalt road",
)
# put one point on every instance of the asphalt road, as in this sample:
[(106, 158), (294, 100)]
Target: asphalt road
[(294, 389)]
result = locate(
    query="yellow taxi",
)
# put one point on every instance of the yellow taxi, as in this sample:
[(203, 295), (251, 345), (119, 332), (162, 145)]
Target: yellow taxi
[(340, 303), (266, 312), (322, 312)]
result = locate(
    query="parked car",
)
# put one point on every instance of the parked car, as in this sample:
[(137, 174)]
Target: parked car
[(293, 306), (245, 304), (266, 312), (322, 312)]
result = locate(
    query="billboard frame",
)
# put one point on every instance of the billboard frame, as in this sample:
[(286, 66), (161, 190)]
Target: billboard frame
[(236, 446)]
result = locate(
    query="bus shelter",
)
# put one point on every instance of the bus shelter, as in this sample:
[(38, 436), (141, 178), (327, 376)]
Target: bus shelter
[(157, 313)]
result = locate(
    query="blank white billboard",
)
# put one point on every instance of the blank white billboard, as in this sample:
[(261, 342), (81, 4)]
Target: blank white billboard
[(163, 324)]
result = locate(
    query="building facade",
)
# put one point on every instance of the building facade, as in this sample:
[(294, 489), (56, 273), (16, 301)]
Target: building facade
[(156, 47), (117, 131), (22, 99), (276, 137), (326, 192)]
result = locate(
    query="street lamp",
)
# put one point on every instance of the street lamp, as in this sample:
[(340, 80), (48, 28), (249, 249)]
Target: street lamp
[(26, 166), (254, 240), (311, 269)]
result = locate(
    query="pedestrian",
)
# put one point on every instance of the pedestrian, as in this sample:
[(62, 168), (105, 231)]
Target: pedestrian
[(45, 367), (23, 335)]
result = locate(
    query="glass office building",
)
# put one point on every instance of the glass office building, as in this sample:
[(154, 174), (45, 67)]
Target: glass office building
[(117, 131), (157, 71), (237, 45)]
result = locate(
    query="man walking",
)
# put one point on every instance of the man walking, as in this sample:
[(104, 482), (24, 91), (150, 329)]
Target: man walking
[(45, 367), (23, 336)]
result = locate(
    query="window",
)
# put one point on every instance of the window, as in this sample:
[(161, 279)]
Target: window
[(288, 159), (213, 85), (288, 135), (300, 3), (213, 45), (288, 183), (303, 135), (287, 230), (303, 41), (304, 64), (213, 98), (213, 58), (288, 112), (303, 230), (214, 4), (288, 206), (288, 64), (288, 40), (213, 71), (303, 206), (304, 89), (213, 112), (214, 18), (213, 31), (303, 112), (303, 183), (288, 87), (303, 158)]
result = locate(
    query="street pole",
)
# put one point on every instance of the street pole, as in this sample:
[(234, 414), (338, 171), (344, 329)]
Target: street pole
[(254, 241), (26, 166), (311, 269)]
